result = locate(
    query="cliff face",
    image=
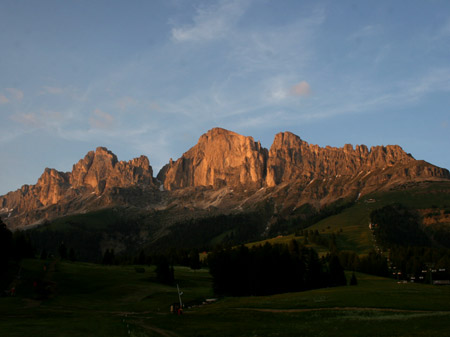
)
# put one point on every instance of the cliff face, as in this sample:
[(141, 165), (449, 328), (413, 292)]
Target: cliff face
[(99, 173), (224, 171), (220, 158), (101, 170), (290, 158), (224, 158)]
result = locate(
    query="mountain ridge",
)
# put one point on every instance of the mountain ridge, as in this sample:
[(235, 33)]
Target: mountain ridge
[(223, 171)]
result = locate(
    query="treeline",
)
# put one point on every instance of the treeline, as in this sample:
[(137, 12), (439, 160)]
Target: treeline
[(13, 248), (204, 233), (271, 269), (306, 216), (414, 261), (397, 225), (180, 257), (373, 263), (411, 252)]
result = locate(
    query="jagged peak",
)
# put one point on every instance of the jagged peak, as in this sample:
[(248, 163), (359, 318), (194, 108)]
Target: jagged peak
[(286, 138), (219, 131)]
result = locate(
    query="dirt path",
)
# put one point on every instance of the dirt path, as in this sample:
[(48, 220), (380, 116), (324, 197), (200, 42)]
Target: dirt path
[(343, 309), (159, 331)]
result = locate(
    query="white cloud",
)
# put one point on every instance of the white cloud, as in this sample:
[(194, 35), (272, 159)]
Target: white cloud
[(301, 89), (212, 22), (42, 119), (27, 119), (101, 120), (365, 32), (279, 90), (125, 102), (3, 99), (53, 90), (16, 94), (434, 81), (444, 31)]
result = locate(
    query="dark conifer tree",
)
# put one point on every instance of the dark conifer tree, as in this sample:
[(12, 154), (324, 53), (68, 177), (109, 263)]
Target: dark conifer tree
[(164, 272), (194, 259), (336, 272), (62, 251), (72, 256), (44, 255), (5, 246), (142, 258), (22, 247), (109, 257)]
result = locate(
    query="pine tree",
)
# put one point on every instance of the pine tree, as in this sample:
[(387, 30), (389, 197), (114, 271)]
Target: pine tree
[(142, 258), (194, 260), (353, 280), (108, 257), (336, 272), (72, 255), (62, 250), (5, 246), (164, 272)]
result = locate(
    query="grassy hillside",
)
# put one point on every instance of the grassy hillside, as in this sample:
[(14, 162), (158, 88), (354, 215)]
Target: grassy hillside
[(92, 300), (129, 230), (353, 222)]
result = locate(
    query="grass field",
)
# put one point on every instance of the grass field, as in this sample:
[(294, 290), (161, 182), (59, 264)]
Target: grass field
[(92, 300)]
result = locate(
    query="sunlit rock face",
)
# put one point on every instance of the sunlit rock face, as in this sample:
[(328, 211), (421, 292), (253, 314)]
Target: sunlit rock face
[(99, 173), (220, 158), (101, 169), (224, 158), (224, 171), (291, 158)]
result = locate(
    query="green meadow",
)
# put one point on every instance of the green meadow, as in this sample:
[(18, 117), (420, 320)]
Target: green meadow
[(92, 300)]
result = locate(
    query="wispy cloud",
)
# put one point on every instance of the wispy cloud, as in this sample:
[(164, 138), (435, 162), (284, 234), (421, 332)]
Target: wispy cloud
[(300, 89), (42, 119), (435, 80), (3, 99), (365, 32), (16, 94), (101, 120), (26, 119), (126, 102), (212, 22), (444, 30), (52, 90), (280, 90)]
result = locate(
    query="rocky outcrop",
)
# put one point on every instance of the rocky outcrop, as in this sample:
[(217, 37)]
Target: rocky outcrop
[(101, 170), (290, 158), (98, 173), (224, 171), (224, 158), (220, 158)]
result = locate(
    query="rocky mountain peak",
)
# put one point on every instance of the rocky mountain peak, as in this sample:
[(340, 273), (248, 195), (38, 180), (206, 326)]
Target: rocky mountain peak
[(99, 171), (220, 157), (293, 170)]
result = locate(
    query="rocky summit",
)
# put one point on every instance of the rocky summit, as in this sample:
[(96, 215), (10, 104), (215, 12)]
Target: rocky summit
[(223, 172)]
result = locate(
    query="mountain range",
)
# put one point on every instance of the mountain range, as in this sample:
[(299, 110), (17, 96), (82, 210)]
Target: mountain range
[(223, 173)]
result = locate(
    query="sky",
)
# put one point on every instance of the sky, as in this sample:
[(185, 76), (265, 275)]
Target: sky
[(150, 77)]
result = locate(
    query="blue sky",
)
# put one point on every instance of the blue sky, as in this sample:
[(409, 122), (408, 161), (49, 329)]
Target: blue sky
[(149, 77)]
